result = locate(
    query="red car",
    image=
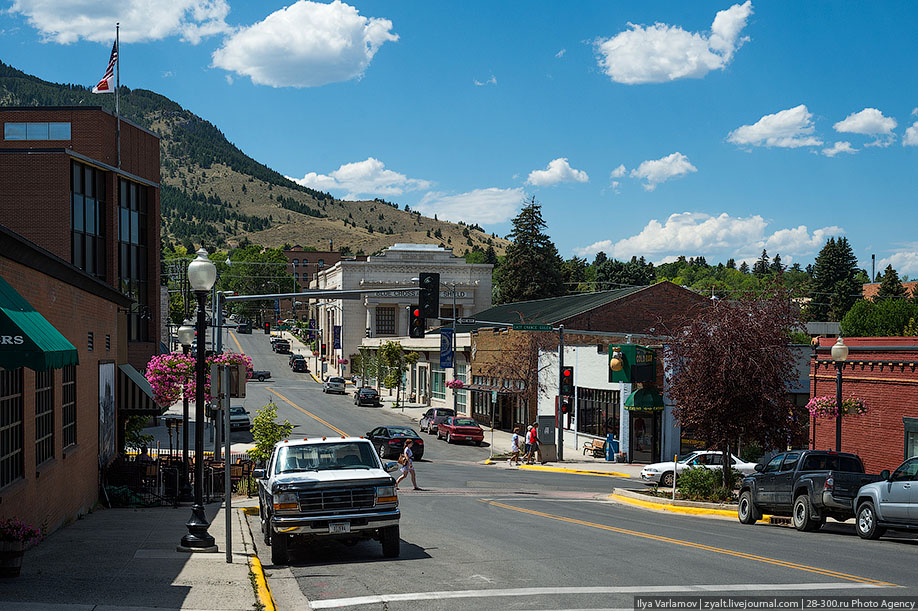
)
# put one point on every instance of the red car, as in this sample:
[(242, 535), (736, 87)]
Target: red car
[(459, 428)]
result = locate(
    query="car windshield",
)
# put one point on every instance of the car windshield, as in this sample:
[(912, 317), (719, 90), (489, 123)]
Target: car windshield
[(688, 457), (367, 391), (326, 456), (401, 431), (464, 422), (237, 411)]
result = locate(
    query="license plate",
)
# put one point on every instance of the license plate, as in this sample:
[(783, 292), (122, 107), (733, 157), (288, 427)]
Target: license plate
[(337, 528)]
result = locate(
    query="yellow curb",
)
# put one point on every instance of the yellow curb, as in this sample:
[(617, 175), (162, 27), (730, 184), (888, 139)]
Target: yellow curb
[(315, 378), (249, 511), (672, 508), (577, 471), (489, 462), (261, 584)]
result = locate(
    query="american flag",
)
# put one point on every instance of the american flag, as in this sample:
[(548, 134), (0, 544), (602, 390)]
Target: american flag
[(107, 84)]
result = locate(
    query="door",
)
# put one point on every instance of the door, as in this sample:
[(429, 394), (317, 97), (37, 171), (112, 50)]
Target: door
[(783, 481), (765, 482), (897, 497), (643, 434)]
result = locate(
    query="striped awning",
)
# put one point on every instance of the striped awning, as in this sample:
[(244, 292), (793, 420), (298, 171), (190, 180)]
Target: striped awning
[(135, 394)]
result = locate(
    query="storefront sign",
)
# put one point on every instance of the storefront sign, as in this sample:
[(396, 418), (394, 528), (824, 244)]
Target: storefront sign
[(631, 364)]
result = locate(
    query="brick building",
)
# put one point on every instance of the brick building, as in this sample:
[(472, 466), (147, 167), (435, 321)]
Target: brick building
[(65, 384), (74, 184), (882, 371)]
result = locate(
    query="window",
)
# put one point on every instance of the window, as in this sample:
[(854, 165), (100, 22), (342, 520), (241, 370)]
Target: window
[(438, 384), (597, 411), (907, 472), (295, 263), (44, 416), (11, 467), (87, 218), (385, 321), (773, 464), (36, 131), (790, 461), (132, 256), (68, 405), (461, 395)]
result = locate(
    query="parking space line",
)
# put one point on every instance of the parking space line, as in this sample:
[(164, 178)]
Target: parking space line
[(709, 548), (308, 413)]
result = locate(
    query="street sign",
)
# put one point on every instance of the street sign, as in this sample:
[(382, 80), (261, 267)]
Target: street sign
[(493, 396), (524, 327), (465, 321), (446, 348)]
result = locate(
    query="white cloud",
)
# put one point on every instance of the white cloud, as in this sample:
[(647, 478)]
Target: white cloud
[(904, 262), (723, 236), (367, 178), (661, 52), (870, 122), (490, 81), (791, 128), (618, 172), (306, 44), (484, 206), (839, 147), (561, 53), (67, 21), (661, 170), (558, 170), (911, 135)]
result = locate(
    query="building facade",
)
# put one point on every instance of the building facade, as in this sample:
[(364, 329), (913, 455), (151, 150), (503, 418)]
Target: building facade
[(344, 323), (90, 186)]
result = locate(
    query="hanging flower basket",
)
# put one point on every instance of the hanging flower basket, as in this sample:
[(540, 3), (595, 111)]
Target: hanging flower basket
[(15, 536), (824, 407), (172, 374), (455, 384)]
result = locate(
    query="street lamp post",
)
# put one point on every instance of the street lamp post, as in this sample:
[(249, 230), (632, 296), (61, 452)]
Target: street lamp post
[(839, 355), (202, 274), (185, 335)]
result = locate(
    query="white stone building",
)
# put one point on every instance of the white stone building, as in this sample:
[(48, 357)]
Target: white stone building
[(385, 314)]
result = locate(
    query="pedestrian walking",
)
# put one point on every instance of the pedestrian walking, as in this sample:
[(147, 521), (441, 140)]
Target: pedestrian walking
[(536, 444), (527, 454), (406, 460), (515, 447)]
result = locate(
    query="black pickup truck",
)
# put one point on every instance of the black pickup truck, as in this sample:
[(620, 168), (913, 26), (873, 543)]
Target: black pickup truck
[(807, 485)]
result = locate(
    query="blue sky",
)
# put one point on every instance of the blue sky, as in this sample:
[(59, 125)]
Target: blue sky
[(654, 129)]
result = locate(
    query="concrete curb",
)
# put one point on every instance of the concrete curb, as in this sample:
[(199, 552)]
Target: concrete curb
[(561, 469), (637, 499), (261, 582)]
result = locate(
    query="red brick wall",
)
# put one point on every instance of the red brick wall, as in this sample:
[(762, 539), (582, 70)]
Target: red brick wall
[(890, 391), (655, 310), (66, 486)]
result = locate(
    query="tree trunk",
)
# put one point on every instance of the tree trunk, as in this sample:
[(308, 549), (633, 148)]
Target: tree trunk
[(727, 474)]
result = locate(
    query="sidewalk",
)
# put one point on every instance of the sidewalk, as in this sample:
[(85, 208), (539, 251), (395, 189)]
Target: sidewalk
[(115, 559)]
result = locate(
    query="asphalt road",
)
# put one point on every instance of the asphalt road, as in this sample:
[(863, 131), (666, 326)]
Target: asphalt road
[(489, 537)]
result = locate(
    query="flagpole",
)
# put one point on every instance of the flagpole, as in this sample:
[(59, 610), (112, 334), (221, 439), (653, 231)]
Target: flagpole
[(117, 87)]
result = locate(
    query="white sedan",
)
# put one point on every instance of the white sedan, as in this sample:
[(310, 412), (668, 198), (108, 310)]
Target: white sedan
[(662, 472)]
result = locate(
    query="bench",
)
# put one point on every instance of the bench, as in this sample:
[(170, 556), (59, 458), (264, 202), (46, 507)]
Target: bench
[(597, 447)]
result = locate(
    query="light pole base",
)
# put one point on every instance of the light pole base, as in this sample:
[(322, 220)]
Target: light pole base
[(198, 539)]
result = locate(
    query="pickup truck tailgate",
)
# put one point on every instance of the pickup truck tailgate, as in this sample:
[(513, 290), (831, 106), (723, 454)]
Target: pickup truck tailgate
[(846, 485)]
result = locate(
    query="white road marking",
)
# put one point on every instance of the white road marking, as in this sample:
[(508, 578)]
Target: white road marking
[(336, 603)]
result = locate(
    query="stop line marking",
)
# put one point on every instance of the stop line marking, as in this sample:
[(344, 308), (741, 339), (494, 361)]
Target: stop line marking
[(337, 603)]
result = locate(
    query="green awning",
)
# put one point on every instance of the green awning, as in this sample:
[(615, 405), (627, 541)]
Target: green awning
[(27, 339), (135, 394), (644, 399)]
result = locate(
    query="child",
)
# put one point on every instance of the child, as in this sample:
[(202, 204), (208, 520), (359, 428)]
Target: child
[(515, 448)]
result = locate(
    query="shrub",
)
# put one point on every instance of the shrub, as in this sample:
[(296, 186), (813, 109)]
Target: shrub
[(702, 484)]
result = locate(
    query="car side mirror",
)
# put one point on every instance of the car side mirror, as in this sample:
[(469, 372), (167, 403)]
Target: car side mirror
[(391, 466), (258, 473), (759, 467), (884, 475), (369, 435)]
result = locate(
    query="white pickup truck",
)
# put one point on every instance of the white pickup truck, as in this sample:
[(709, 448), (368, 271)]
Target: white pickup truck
[(327, 487)]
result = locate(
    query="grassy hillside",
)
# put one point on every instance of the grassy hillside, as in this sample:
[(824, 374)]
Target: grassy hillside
[(215, 193)]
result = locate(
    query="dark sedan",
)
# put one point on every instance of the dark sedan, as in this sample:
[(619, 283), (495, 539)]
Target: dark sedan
[(367, 396), (390, 441)]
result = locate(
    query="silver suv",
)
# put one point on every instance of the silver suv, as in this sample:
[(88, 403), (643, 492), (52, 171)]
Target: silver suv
[(891, 502), (334, 384)]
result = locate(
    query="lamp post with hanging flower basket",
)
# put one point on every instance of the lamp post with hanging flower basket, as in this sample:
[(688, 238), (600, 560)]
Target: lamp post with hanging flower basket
[(15, 536)]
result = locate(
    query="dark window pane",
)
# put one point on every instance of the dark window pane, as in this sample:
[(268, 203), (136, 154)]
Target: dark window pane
[(133, 196), (14, 131), (142, 204), (90, 215), (143, 230), (123, 197), (135, 227), (88, 185), (134, 263), (36, 131), (90, 255), (59, 131), (76, 178), (77, 219), (78, 250), (124, 217), (100, 185), (141, 263)]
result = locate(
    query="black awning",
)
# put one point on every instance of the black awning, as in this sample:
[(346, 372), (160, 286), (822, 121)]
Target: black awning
[(135, 395)]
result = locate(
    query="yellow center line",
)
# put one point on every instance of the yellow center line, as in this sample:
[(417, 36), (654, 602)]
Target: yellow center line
[(233, 335), (718, 550), (308, 413)]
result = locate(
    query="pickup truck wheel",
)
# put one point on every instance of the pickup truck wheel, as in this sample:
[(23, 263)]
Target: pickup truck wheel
[(280, 553), (390, 541), (382, 451), (803, 515), (866, 522), (666, 480), (746, 510)]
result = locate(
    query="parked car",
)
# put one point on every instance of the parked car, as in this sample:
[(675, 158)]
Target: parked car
[(662, 472), (367, 396), (282, 347), (434, 417), (244, 327), (457, 428), (890, 503), (299, 365), (295, 356), (389, 441), (334, 384), (239, 418), (327, 488), (260, 374), (808, 485)]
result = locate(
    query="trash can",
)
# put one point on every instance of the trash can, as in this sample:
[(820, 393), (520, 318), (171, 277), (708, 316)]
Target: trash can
[(611, 447)]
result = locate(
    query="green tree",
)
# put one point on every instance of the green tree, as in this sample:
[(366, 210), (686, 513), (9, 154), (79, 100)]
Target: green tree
[(393, 363), (835, 286), (760, 268), (267, 431), (890, 286), (884, 318), (532, 266), (776, 266)]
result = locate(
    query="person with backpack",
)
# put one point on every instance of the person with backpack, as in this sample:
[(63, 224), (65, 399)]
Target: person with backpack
[(405, 459)]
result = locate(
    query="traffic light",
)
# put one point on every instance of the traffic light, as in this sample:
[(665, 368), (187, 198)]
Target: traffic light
[(267, 328), (566, 403), (429, 295), (567, 382), (324, 348), (416, 323)]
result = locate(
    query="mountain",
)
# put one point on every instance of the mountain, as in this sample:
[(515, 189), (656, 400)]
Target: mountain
[(213, 192)]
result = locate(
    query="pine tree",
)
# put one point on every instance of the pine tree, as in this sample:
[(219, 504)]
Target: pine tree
[(760, 268), (835, 286), (731, 263), (776, 264), (532, 267), (744, 268), (890, 286)]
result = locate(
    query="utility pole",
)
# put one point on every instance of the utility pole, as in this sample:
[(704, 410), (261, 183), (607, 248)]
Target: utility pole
[(559, 414)]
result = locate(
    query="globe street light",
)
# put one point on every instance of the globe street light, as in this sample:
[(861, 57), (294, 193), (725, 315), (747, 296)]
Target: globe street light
[(202, 274), (185, 335), (839, 355)]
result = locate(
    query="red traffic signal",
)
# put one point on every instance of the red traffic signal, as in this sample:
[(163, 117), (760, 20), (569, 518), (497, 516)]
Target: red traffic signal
[(416, 324), (566, 388), (566, 403)]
